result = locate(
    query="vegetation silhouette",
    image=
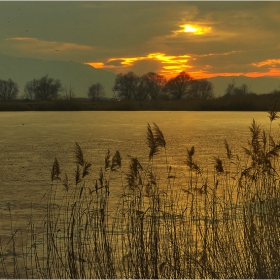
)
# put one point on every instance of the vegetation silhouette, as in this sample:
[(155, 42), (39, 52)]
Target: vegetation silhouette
[(44, 88), (8, 89), (131, 92), (96, 91)]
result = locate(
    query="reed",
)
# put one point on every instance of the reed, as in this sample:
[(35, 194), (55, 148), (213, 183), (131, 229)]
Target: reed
[(222, 223)]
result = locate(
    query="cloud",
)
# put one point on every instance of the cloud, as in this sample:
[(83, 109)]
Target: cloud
[(269, 62), (275, 72), (165, 64), (42, 46), (201, 37), (271, 67), (196, 65)]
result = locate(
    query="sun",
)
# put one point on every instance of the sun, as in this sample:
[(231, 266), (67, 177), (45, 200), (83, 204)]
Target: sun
[(190, 28), (194, 29)]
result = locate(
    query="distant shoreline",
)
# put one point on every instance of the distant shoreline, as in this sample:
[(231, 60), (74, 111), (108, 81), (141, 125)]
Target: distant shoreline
[(236, 103)]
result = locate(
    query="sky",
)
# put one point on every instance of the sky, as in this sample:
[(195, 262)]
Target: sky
[(203, 38)]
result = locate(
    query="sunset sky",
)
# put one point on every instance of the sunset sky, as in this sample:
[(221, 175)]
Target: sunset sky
[(205, 39)]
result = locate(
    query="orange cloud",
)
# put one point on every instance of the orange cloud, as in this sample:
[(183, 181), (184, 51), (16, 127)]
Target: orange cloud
[(96, 64), (268, 62), (170, 63), (273, 72), (218, 54), (272, 65), (201, 74), (99, 65), (204, 75), (126, 60)]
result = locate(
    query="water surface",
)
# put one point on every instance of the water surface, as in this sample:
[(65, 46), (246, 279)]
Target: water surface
[(31, 140)]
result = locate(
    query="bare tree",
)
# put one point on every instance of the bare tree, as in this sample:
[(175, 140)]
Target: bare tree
[(69, 94), (140, 92), (126, 85), (243, 89), (28, 90), (153, 84), (95, 91), (232, 90), (179, 86), (43, 89), (201, 89), (8, 89)]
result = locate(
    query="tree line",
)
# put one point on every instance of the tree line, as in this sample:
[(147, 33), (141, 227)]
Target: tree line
[(129, 86), (154, 86), (40, 89)]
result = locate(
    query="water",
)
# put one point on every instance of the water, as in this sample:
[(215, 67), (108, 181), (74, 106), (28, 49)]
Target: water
[(30, 141)]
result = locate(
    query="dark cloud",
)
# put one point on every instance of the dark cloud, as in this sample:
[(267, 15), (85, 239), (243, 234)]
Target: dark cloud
[(100, 30)]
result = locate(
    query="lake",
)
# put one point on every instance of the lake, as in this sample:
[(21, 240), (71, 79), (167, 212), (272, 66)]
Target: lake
[(31, 140)]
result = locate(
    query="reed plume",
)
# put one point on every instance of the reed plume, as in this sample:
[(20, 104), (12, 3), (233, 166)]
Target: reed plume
[(133, 177), (229, 153), (190, 163), (66, 182), (116, 161), (255, 150), (55, 172), (159, 137), (78, 177), (272, 112), (86, 169), (218, 165), (152, 178), (79, 160), (79, 155), (107, 159), (151, 142), (101, 177), (190, 153), (154, 139)]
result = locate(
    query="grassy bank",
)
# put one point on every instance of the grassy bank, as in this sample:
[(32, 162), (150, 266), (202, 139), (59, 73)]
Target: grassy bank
[(224, 224), (236, 103)]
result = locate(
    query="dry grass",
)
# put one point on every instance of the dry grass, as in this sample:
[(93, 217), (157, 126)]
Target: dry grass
[(224, 224)]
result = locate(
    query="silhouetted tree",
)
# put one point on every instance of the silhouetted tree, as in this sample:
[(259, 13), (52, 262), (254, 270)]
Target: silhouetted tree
[(153, 84), (68, 94), (242, 90), (140, 92), (8, 89), (43, 89), (96, 91), (232, 90), (201, 89), (126, 85), (275, 92), (179, 86)]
